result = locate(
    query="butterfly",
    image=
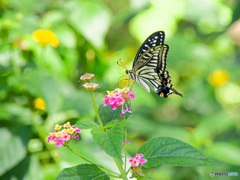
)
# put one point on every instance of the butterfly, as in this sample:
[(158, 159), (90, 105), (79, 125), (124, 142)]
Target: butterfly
[(149, 66)]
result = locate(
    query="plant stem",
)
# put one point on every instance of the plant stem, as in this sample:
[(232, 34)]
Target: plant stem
[(125, 145), (96, 110), (91, 161), (114, 176), (128, 171), (120, 168)]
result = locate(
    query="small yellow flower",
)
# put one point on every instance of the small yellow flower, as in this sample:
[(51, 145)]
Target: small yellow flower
[(70, 131), (110, 95), (59, 134), (52, 133), (110, 92), (65, 131), (67, 124), (218, 77), (125, 90), (57, 127), (45, 37), (39, 104)]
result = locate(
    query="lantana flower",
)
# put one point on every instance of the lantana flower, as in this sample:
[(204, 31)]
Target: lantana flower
[(87, 77), (45, 37), (137, 163), (90, 86), (63, 133), (119, 97)]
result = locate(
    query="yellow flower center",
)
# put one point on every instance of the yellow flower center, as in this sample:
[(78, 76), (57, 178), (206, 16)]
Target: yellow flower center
[(65, 131), (67, 124), (70, 131), (57, 127), (59, 134), (125, 90), (110, 95)]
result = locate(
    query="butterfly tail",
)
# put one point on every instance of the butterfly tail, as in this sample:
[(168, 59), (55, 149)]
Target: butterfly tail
[(176, 92)]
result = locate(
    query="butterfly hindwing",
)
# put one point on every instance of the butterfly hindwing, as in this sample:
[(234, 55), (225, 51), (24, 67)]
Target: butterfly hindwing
[(148, 64)]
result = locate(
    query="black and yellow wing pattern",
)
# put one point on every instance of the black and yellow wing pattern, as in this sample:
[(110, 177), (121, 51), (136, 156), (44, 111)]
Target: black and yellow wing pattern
[(149, 66)]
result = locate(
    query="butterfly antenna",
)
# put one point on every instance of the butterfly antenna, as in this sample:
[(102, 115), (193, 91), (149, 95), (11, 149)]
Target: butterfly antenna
[(120, 63)]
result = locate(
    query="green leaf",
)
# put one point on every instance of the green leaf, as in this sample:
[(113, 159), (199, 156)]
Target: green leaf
[(82, 172), (28, 168), (110, 141), (95, 15), (13, 111), (38, 83), (108, 115), (121, 122), (85, 124), (13, 147), (171, 151)]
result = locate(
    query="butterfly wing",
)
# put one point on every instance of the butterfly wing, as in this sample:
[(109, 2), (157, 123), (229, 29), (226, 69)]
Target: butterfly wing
[(154, 58), (148, 65), (154, 39), (166, 88)]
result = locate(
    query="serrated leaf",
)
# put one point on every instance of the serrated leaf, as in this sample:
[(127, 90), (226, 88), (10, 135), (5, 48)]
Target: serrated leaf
[(110, 141), (171, 151), (82, 172), (86, 124), (121, 122), (108, 115)]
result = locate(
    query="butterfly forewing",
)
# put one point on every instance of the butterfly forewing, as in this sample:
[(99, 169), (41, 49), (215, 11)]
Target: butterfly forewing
[(154, 58), (154, 39)]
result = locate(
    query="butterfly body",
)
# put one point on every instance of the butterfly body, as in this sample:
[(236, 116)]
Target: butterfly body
[(149, 66)]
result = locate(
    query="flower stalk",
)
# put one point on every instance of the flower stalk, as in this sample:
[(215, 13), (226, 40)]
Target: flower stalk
[(91, 87), (125, 147), (96, 110), (91, 161), (120, 168)]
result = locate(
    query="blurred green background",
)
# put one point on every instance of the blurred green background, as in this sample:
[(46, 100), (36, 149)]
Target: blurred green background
[(39, 86)]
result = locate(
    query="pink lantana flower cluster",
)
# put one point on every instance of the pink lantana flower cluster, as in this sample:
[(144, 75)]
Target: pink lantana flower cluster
[(63, 133), (137, 163), (120, 97)]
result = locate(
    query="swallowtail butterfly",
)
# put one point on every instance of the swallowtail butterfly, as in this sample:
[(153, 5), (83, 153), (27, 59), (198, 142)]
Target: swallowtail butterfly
[(149, 66)]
